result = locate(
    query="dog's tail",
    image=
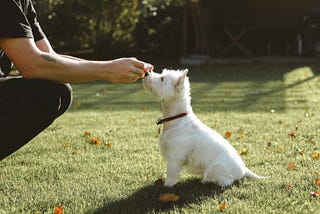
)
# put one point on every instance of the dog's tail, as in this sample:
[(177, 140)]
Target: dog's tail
[(251, 174)]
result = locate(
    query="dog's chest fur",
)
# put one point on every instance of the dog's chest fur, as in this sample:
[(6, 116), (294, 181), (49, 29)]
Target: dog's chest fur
[(189, 140)]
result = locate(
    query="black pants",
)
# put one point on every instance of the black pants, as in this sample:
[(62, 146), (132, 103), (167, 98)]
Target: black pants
[(27, 107)]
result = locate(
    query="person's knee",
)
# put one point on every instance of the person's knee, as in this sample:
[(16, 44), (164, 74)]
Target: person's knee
[(65, 98), (67, 95)]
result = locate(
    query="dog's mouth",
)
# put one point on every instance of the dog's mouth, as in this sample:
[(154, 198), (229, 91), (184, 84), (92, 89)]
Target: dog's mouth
[(147, 73), (145, 82)]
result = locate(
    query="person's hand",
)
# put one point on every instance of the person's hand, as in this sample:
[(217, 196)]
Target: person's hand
[(127, 70)]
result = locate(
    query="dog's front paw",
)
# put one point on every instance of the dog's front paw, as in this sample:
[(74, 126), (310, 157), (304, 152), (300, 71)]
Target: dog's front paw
[(170, 182)]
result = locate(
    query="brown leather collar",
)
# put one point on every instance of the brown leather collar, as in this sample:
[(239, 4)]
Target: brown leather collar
[(163, 120)]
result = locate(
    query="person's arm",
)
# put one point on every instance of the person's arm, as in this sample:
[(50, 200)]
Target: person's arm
[(45, 46), (39, 62)]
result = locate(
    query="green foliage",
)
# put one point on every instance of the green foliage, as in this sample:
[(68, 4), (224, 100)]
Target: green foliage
[(112, 27)]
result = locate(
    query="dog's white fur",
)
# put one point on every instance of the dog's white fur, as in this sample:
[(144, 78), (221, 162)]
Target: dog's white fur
[(187, 141)]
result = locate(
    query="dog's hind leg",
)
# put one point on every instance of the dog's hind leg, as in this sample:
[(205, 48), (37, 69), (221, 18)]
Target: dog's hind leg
[(219, 174), (173, 173)]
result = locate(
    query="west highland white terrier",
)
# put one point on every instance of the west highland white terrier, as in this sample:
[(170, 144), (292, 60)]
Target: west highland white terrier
[(185, 140)]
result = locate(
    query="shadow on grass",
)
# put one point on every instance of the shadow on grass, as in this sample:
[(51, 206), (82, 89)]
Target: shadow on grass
[(146, 199)]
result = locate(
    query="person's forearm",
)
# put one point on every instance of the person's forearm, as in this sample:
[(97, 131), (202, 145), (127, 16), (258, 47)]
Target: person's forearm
[(65, 69), (39, 61)]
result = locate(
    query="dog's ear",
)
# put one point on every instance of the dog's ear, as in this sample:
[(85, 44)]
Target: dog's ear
[(185, 72), (181, 78)]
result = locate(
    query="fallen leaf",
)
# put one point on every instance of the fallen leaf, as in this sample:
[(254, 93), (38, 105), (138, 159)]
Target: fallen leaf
[(228, 134), (58, 210), (269, 144), (243, 152), (86, 134), (95, 140), (315, 194), (77, 104), (292, 134), (301, 152), (108, 144), (288, 187), (168, 197), (66, 144), (316, 155), (291, 166), (317, 182), (279, 150), (223, 206)]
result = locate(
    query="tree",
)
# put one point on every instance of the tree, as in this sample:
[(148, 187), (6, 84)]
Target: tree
[(111, 27)]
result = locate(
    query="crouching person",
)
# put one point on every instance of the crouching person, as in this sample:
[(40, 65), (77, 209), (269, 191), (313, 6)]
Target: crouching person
[(32, 102)]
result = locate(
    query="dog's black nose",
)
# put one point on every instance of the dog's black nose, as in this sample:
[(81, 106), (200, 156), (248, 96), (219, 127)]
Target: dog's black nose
[(146, 74)]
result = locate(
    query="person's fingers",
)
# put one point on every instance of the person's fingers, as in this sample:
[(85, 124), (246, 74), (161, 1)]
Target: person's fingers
[(138, 63), (148, 67), (138, 71), (142, 65), (133, 77)]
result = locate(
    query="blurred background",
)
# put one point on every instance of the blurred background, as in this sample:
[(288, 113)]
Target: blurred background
[(182, 29)]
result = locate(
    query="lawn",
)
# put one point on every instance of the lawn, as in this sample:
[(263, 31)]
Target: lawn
[(102, 156)]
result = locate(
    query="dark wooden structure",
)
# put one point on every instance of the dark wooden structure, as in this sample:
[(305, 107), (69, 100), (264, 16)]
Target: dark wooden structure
[(251, 27)]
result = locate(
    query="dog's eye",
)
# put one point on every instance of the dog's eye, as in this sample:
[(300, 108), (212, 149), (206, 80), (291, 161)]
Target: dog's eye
[(162, 79)]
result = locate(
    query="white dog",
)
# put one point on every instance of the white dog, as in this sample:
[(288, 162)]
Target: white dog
[(185, 140)]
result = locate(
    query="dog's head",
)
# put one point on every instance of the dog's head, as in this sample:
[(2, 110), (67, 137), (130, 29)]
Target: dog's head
[(169, 85)]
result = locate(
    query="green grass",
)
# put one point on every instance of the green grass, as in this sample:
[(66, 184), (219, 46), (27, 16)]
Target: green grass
[(260, 104)]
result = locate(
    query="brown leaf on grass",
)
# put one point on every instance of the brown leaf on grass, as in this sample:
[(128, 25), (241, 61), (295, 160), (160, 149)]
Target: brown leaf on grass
[(243, 151), (315, 194), (108, 144), (317, 182), (95, 141), (300, 152), (77, 104), (168, 197), (293, 134), (86, 134), (316, 155), (291, 166), (66, 144), (222, 206), (58, 210), (228, 134), (288, 186)]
